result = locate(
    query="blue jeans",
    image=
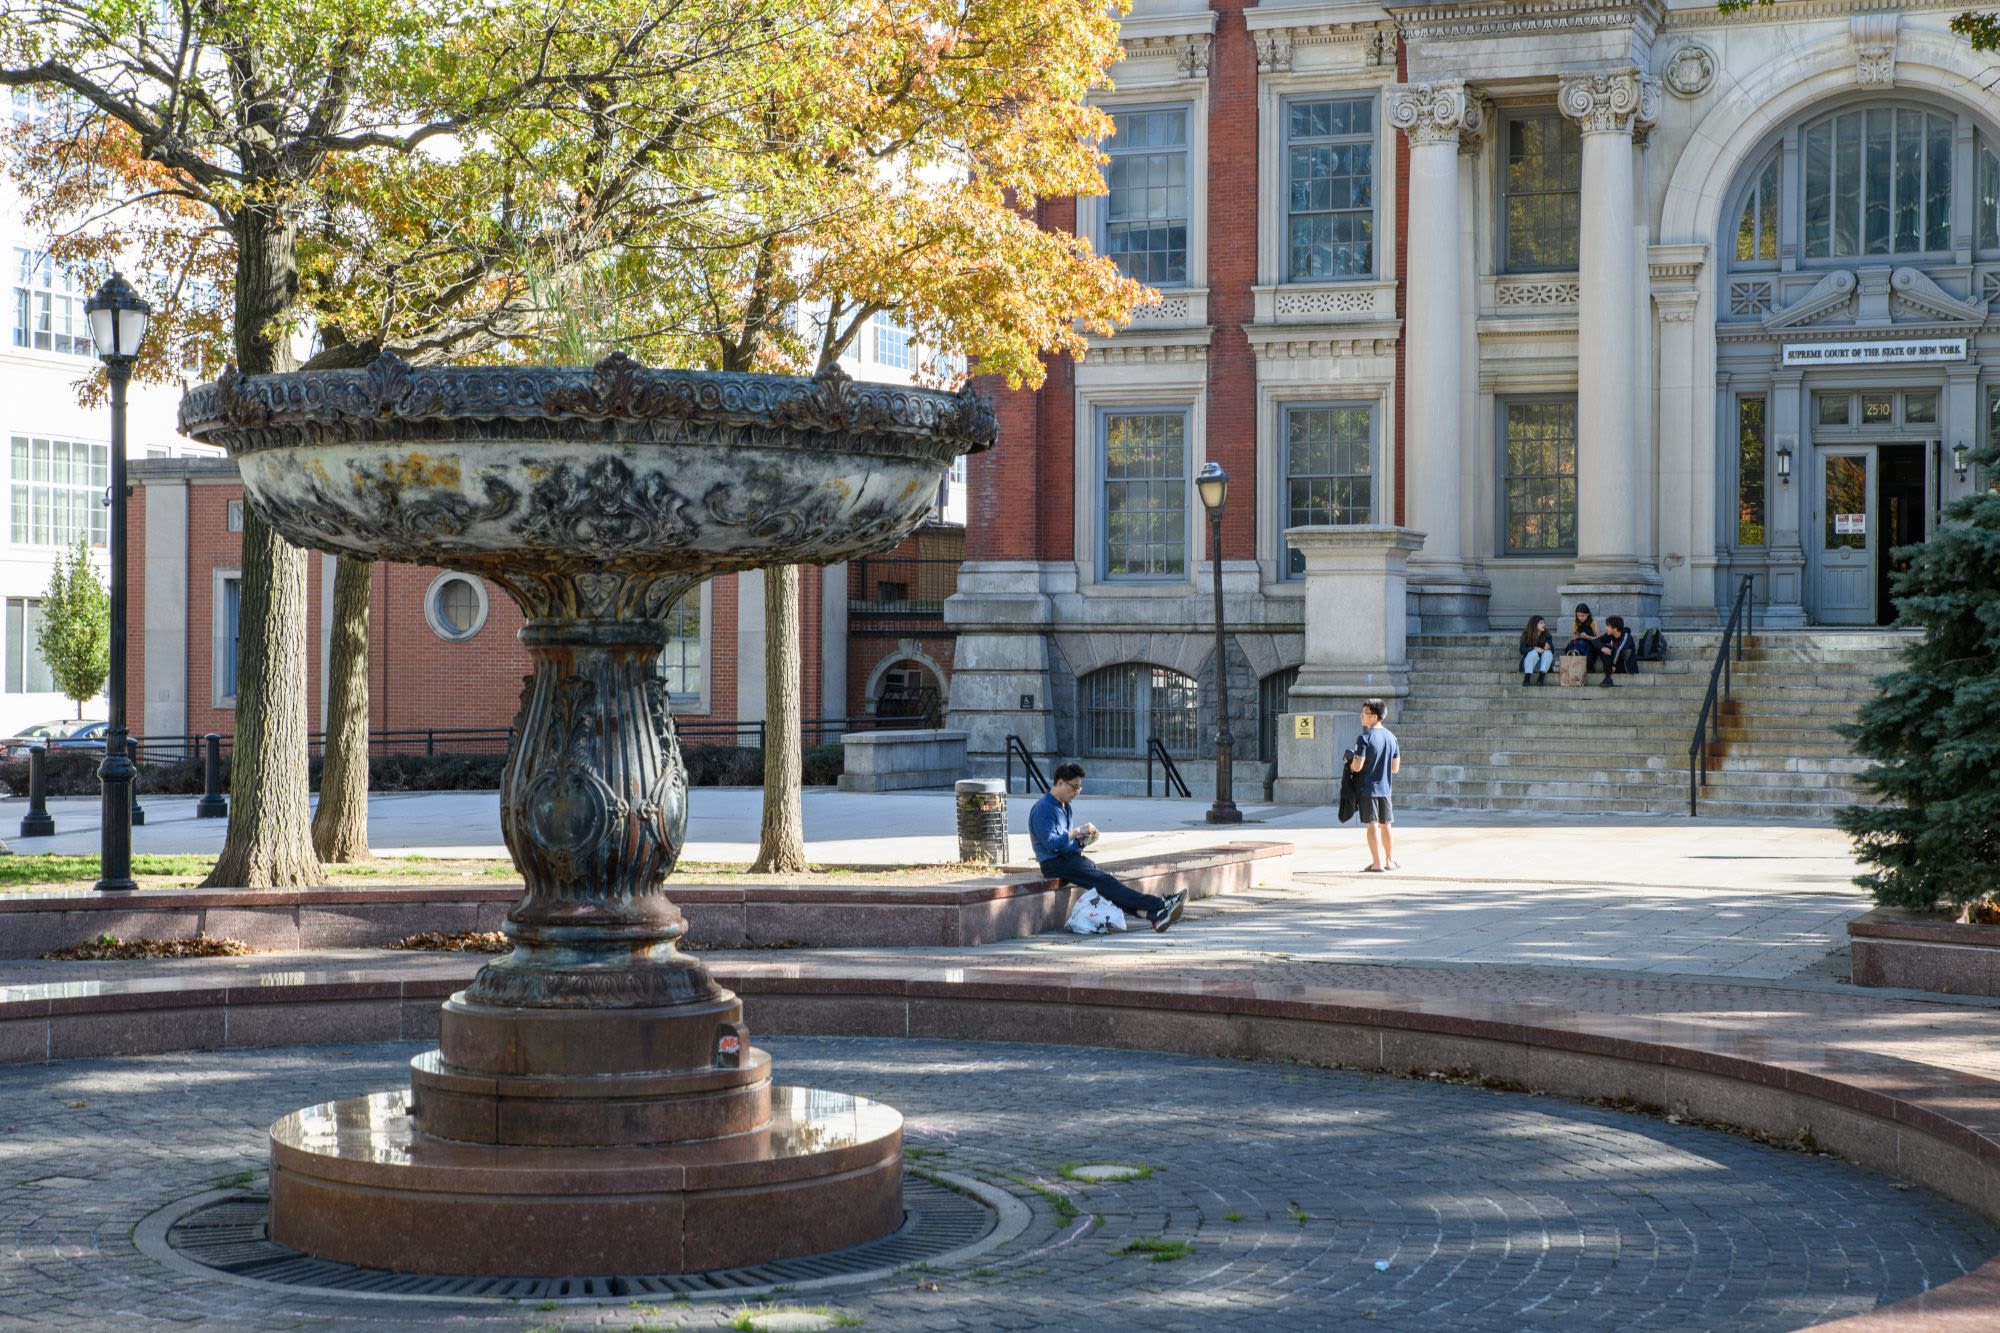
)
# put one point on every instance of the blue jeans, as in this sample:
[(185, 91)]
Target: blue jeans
[(1076, 868)]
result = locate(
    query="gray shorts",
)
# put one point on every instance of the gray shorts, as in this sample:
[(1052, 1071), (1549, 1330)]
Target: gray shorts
[(1375, 810)]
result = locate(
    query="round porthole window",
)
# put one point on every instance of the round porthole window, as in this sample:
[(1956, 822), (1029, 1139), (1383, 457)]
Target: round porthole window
[(455, 606)]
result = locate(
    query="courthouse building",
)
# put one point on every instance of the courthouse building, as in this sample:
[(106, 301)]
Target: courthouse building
[(1614, 303)]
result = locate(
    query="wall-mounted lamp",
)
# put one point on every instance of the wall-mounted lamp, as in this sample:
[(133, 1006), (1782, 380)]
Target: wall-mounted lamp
[(1958, 452), (1784, 464)]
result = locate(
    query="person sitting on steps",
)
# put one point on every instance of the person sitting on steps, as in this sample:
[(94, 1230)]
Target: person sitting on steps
[(1059, 844), (1617, 651), (1583, 633), (1538, 656)]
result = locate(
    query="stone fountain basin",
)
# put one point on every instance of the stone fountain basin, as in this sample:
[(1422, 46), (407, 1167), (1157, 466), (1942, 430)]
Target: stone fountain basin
[(666, 508), (665, 472)]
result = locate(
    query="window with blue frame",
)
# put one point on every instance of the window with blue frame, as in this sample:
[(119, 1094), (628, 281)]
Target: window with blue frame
[(1330, 188), (1146, 204), (1329, 468)]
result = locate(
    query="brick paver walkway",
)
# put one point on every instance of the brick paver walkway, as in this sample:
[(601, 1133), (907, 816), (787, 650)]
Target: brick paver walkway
[(1492, 1211)]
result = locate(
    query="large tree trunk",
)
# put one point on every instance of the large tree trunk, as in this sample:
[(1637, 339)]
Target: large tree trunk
[(269, 842), (781, 845), (340, 825)]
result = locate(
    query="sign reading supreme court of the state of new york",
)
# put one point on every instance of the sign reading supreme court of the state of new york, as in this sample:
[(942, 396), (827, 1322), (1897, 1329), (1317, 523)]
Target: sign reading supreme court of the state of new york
[(1898, 351)]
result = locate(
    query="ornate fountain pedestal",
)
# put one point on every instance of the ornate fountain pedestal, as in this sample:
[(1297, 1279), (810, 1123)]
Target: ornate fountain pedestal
[(594, 1106)]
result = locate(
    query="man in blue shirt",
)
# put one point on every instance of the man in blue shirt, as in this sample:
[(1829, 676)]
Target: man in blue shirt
[(1376, 759), (1059, 844)]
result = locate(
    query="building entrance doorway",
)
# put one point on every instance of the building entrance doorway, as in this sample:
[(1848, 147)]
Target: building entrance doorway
[(1869, 500)]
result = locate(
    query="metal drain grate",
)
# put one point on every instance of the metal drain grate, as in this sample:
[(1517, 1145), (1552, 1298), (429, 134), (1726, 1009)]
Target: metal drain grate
[(229, 1236)]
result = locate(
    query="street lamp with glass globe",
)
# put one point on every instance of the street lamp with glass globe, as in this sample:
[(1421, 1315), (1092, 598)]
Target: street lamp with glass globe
[(1213, 484), (118, 317)]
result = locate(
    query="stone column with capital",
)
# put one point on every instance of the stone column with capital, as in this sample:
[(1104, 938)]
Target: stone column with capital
[(1451, 591), (1614, 571), (1357, 648)]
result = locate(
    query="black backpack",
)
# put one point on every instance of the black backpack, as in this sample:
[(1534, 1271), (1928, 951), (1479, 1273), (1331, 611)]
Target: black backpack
[(1652, 646)]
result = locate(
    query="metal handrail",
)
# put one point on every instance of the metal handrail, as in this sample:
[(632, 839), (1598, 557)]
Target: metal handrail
[(1708, 725), (1031, 771), (1168, 767)]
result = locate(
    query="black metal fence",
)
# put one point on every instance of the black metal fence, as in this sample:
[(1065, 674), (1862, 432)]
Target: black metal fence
[(431, 742), (895, 596)]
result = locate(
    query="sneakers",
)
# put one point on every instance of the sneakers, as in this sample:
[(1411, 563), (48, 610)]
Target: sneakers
[(1169, 912)]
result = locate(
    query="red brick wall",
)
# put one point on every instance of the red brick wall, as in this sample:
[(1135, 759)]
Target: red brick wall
[(1232, 269), (415, 678)]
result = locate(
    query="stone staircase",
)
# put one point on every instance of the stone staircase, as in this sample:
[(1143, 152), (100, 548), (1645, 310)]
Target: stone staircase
[(1474, 739)]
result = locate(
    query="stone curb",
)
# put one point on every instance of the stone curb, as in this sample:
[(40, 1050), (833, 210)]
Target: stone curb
[(979, 910), (1902, 949)]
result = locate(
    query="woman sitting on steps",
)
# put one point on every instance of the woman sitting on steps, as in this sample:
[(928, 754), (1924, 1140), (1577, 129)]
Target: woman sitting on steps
[(1538, 656), (1583, 634)]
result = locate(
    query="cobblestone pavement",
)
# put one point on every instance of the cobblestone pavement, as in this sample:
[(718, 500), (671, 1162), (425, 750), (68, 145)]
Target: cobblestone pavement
[(1492, 1211)]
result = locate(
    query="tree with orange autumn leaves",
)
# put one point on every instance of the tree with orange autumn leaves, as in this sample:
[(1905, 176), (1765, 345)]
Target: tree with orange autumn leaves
[(736, 183)]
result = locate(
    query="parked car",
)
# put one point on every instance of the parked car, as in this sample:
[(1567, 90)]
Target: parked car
[(63, 734)]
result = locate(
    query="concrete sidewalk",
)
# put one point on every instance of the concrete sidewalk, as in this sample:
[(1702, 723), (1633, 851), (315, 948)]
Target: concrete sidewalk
[(1644, 894)]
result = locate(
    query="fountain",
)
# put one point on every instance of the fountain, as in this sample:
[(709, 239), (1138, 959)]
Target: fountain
[(594, 1105)]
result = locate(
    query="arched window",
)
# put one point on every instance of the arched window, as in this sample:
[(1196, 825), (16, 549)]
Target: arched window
[(1757, 230), (1876, 181), (1126, 706)]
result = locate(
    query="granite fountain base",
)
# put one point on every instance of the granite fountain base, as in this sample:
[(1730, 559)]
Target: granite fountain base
[(584, 1167)]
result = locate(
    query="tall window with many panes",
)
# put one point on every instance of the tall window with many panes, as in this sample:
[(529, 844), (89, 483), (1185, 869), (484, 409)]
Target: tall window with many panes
[(1146, 205), (1330, 188), (56, 491), (1538, 476), (1750, 461), (1329, 469), (1144, 456), (48, 306), (1877, 181), (1541, 192)]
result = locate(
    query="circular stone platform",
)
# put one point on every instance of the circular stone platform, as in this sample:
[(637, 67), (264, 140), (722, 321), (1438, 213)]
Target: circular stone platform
[(353, 1181), (1494, 1211)]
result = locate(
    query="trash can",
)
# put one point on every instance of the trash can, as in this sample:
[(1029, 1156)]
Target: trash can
[(982, 820)]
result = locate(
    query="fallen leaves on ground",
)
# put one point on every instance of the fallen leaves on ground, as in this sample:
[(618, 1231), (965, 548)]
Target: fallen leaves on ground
[(110, 947), (460, 941)]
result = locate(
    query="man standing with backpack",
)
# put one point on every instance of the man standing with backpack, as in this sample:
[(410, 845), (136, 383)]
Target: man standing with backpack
[(1376, 761)]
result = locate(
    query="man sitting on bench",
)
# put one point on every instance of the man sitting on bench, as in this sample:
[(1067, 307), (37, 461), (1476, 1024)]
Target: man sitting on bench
[(1059, 845)]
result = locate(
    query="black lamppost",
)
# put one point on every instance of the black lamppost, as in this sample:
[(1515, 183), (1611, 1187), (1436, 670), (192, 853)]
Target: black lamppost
[(118, 326), (1213, 483)]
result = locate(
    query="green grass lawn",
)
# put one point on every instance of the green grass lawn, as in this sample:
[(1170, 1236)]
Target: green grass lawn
[(46, 870), (34, 871)]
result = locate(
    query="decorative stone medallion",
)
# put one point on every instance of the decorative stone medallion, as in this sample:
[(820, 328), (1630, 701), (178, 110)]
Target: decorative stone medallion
[(1691, 72)]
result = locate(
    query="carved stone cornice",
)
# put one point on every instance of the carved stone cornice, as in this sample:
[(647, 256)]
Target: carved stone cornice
[(1478, 120), (1834, 292), (1676, 265), (1609, 103), (1503, 18), (1274, 51), (1279, 43), (1874, 36), (1191, 57), (1430, 113), (1914, 289)]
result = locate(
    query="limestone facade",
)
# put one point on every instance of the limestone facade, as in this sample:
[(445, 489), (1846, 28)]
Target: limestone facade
[(1614, 301)]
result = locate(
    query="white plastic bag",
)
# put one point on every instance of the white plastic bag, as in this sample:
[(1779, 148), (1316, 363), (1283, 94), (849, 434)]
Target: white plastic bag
[(1094, 916)]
